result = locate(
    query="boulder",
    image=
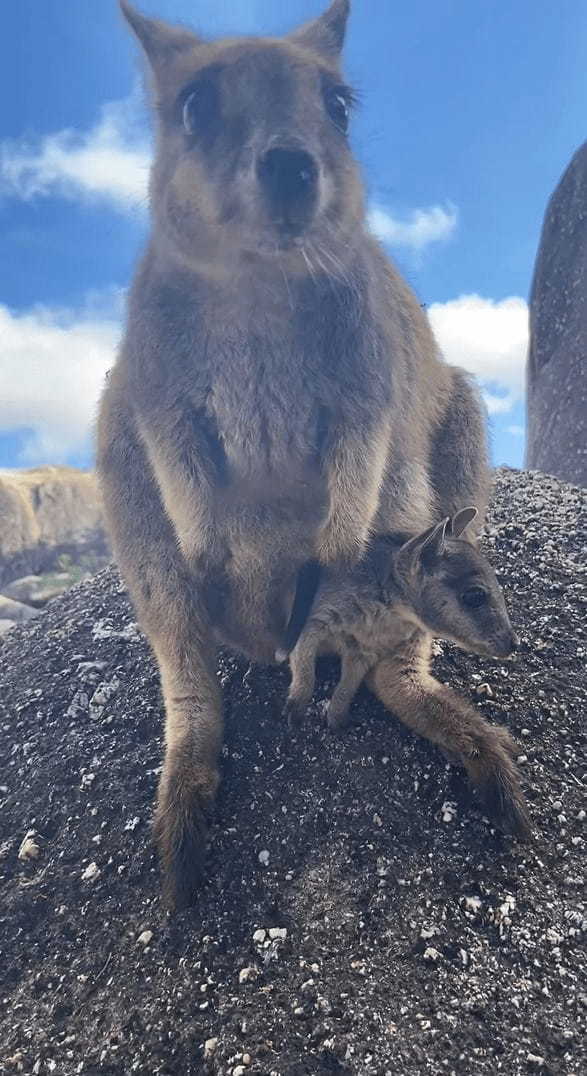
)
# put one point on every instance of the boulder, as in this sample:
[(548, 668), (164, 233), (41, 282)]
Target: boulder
[(37, 590), (44, 513), (15, 611), (360, 917), (557, 356)]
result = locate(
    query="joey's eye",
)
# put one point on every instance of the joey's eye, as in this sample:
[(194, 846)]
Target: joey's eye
[(339, 109), (474, 597)]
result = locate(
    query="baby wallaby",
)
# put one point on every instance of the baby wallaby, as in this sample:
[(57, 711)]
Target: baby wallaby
[(380, 619)]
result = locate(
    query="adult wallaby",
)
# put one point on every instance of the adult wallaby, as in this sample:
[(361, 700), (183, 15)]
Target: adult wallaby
[(278, 396), (380, 619)]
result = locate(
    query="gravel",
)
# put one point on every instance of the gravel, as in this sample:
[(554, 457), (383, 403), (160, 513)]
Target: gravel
[(390, 930)]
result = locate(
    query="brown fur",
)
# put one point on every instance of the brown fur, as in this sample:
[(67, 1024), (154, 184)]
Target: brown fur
[(380, 619), (278, 395)]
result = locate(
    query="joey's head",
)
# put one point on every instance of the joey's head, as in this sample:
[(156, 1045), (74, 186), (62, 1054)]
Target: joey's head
[(453, 589), (252, 158)]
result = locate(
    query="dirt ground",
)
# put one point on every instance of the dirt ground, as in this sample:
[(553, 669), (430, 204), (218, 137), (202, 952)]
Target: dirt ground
[(360, 916)]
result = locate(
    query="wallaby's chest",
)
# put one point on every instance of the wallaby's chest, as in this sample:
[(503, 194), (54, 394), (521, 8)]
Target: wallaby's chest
[(265, 400)]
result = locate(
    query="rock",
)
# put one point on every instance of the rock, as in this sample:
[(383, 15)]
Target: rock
[(264, 858), (145, 938), (5, 625), (247, 975), (210, 1047), (15, 610), (91, 873), (77, 985), (37, 590), (48, 512), (557, 367), (277, 933), (29, 848)]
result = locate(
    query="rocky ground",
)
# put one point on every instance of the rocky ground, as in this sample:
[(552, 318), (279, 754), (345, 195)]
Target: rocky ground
[(361, 917)]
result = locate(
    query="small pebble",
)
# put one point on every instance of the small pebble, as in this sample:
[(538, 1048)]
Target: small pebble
[(259, 936), (145, 937), (264, 858), (246, 975), (91, 873), (210, 1046), (278, 933), (29, 848)]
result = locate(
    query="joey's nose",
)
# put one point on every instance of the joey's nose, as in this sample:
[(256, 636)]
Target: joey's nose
[(289, 180)]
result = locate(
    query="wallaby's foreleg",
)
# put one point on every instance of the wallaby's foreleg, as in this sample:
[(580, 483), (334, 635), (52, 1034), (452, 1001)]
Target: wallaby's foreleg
[(459, 469), (355, 464), (353, 670), (485, 751), (166, 599), (302, 663)]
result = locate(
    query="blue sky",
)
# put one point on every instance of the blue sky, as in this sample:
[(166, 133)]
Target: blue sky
[(470, 111)]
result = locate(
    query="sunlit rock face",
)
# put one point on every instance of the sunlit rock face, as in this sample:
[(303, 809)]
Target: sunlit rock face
[(557, 358)]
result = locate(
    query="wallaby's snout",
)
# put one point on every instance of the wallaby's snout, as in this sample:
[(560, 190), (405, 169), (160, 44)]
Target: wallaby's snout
[(288, 177)]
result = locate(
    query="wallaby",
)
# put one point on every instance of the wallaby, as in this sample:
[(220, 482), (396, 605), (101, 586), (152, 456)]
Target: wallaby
[(278, 395), (380, 619)]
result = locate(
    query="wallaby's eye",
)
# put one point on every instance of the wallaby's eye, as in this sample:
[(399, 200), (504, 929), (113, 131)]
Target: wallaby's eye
[(339, 109), (474, 597), (199, 107), (189, 112)]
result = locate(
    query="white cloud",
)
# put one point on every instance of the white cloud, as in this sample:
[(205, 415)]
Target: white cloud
[(108, 163), (416, 231), (489, 339), (52, 368)]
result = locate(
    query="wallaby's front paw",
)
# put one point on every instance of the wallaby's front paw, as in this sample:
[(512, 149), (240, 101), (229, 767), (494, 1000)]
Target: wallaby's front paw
[(184, 807), (338, 549), (294, 713)]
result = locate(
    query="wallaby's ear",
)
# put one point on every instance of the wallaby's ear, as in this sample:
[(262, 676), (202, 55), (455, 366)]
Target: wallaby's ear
[(460, 521), (423, 550), (326, 33), (160, 41)]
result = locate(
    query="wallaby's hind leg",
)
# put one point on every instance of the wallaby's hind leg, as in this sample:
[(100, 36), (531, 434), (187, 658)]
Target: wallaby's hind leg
[(353, 670), (165, 598), (486, 752)]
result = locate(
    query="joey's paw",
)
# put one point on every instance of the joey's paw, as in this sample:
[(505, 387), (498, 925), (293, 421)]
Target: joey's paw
[(337, 719), (294, 713), (184, 810)]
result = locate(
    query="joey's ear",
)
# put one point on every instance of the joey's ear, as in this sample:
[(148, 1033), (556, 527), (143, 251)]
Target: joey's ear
[(423, 550), (460, 521), (160, 41), (326, 33)]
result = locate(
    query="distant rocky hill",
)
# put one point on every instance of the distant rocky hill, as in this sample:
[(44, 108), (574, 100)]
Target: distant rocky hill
[(361, 917), (557, 357), (47, 512)]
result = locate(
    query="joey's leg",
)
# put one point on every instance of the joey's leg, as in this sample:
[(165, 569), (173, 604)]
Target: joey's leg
[(165, 596), (438, 714), (302, 664), (353, 670)]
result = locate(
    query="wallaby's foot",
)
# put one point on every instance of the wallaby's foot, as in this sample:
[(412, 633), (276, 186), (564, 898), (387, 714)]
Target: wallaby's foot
[(294, 712), (491, 767), (184, 807)]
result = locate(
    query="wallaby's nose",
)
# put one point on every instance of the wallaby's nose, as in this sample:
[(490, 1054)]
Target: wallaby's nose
[(289, 179)]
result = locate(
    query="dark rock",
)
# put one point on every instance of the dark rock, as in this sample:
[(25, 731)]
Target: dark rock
[(557, 357), (363, 874)]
